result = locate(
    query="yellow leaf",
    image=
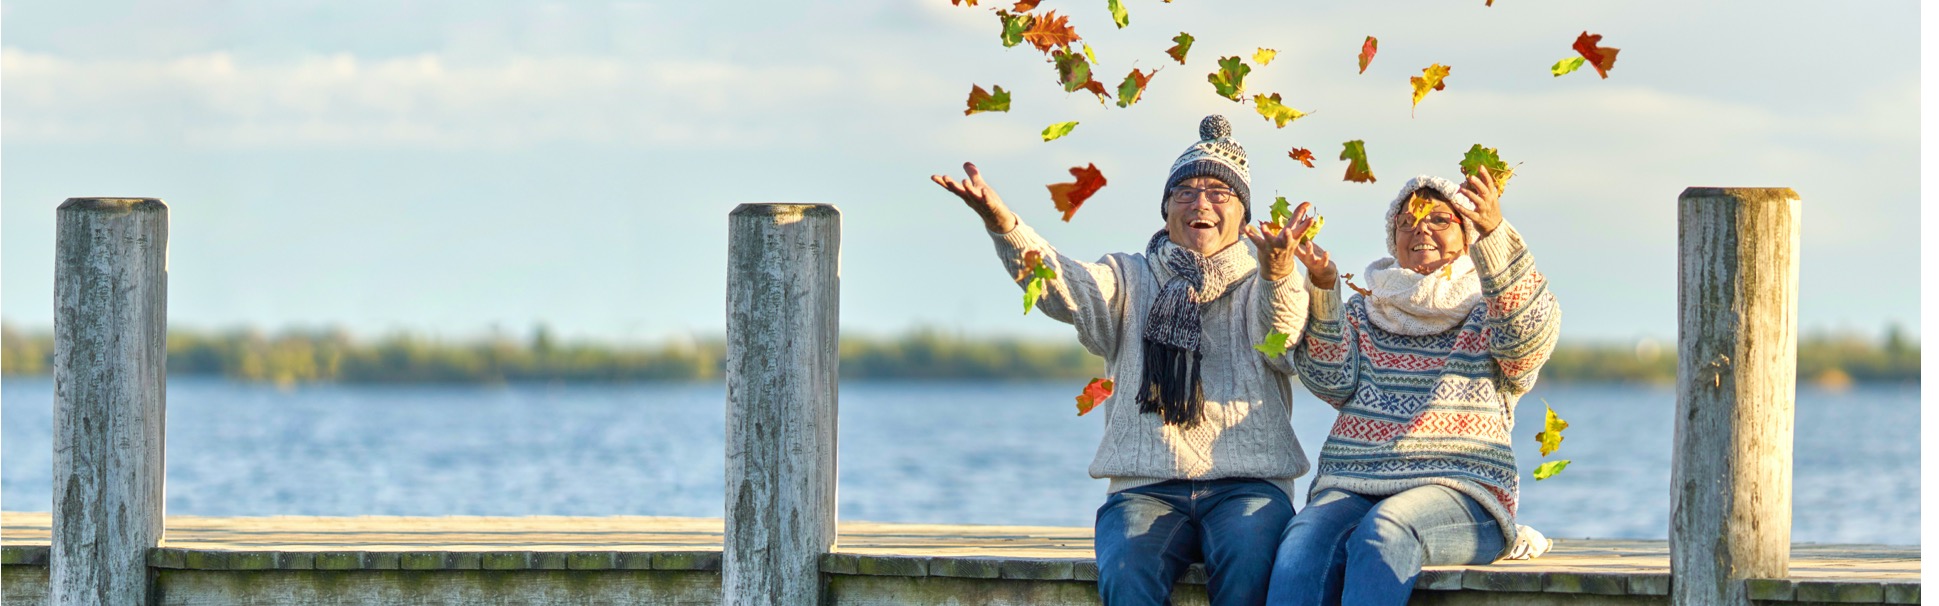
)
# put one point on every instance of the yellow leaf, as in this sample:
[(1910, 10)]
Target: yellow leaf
[(1430, 79), (1275, 111), (1264, 56), (1551, 435)]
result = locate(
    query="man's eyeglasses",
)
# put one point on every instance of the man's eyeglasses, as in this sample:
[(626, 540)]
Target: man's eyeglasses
[(1188, 195)]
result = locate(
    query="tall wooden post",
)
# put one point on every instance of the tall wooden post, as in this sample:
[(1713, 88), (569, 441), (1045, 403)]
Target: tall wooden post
[(1737, 352), (783, 303), (110, 358)]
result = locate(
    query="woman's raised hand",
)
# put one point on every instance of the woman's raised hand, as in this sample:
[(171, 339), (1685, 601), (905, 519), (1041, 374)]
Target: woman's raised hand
[(1480, 188), (981, 198)]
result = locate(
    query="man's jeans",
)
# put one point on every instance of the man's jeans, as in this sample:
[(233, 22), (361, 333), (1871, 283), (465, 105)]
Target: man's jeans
[(1147, 536), (1351, 549)]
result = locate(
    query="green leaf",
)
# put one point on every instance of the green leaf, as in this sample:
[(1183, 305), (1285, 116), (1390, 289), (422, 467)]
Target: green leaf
[(1072, 71), (1182, 43), (1478, 157), (983, 101), (1282, 212), (1549, 469), (1276, 111), (1058, 130), (1230, 80), (1133, 87), (1013, 27), (1567, 65), (1032, 291), (1355, 153), (1275, 344), (1118, 15)]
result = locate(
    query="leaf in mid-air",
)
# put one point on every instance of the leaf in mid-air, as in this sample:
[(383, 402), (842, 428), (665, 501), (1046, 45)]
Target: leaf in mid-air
[(1312, 231), (1479, 157), (1418, 206), (1274, 345), (1303, 155), (1013, 27), (1551, 435), (1567, 65), (1367, 49), (1264, 56), (1050, 31), (1118, 15), (1133, 87), (1069, 196), (1075, 74), (1282, 213), (1093, 395), (1275, 111), (960, 2), (1036, 276), (1432, 78), (983, 101), (1549, 469), (1089, 55), (1348, 279), (1058, 130), (1026, 5), (1357, 169), (1230, 80), (1182, 44), (1602, 58)]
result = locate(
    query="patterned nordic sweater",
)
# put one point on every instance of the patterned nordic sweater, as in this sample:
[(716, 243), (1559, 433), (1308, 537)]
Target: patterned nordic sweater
[(1247, 429), (1433, 409)]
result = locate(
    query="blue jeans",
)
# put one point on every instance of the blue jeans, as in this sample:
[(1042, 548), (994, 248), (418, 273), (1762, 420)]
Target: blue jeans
[(1359, 550), (1147, 536)]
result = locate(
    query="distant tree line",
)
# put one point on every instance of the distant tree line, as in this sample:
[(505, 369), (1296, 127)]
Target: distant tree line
[(302, 356)]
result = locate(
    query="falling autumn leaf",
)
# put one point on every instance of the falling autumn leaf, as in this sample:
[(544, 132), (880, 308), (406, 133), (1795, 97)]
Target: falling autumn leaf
[(1479, 157), (1551, 435), (1024, 6), (1313, 230), (1075, 74), (1549, 469), (1133, 87), (1282, 213), (1264, 56), (1118, 15), (1182, 44), (1367, 49), (1230, 80), (1603, 59), (1303, 155), (1088, 55), (1357, 169), (1431, 78), (1037, 276), (983, 101), (1058, 130), (1418, 206), (960, 2), (1274, 111), (1566, 66), (1490, 3), (1013, 27), (1274, 345), (1094, 394), (1069, 196), (1348, 279), (1050, 30)]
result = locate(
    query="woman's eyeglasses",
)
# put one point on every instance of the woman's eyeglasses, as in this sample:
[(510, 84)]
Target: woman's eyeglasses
[(1437, 222), (1188, 195)]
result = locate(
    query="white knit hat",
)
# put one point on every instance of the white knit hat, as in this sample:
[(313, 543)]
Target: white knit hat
[(1447, 189)]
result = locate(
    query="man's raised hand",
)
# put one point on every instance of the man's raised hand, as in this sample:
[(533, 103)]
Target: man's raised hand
[(981, 198)]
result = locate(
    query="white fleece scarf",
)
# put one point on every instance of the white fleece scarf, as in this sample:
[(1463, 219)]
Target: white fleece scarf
[(1409, 303)]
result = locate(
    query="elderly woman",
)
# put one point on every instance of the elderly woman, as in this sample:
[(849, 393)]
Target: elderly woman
[(1425, 371), (1198, 442)]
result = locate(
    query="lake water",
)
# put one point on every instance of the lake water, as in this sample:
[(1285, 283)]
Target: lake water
[(940, 452)]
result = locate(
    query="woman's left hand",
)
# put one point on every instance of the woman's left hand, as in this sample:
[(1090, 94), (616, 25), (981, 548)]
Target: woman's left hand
[(1481, 189)]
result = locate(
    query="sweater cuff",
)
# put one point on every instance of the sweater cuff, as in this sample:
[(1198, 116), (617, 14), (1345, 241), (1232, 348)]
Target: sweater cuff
[(1284, 294), (1326, 301), (1019, 239), (1493, 252)]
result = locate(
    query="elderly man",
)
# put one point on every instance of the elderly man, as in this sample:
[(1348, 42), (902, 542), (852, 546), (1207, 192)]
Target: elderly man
[(1198, 443)]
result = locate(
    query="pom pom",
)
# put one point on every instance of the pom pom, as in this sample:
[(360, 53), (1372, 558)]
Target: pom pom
[(1214, 127)]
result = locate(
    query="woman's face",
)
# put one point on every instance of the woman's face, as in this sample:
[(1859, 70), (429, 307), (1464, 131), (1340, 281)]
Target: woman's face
[(1203, 215), (1433, 242)]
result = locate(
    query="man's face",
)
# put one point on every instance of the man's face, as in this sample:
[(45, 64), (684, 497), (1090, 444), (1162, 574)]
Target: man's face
[(1203, 215), (1432, 243)]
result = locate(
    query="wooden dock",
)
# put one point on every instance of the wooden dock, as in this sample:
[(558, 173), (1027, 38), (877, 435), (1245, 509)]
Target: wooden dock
[(660, 560)]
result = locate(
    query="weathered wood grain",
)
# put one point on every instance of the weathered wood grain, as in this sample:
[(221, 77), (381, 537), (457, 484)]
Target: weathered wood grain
[(783, 310), (110, 364), (1737, 293)]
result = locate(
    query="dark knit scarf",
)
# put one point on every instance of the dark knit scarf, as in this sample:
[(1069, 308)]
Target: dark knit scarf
[(1173, 328)]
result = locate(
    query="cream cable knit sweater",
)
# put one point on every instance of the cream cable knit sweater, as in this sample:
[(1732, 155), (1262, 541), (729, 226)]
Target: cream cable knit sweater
[(1247, 431)]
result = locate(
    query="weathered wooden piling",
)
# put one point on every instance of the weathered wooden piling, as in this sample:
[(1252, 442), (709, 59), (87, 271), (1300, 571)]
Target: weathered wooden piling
[(110, 363), (783, 304), (1737, 302)]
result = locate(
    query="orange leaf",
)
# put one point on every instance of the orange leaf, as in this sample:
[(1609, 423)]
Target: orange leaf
[(1133, 87), (1051, 30), (1094, 394), (1367, 49), (1029, 5), (1183, 45), (1069, 196), (982, 101), (1303, 155), (960, 2), (1357, 169), (1603, 59), (1348, 278)]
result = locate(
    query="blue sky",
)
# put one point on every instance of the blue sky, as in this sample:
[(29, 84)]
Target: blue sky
[(452, 167)]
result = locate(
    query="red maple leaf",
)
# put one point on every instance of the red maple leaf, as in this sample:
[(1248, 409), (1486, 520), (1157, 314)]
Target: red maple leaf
[(1094, 394), (1070, 196), (1603, 59)]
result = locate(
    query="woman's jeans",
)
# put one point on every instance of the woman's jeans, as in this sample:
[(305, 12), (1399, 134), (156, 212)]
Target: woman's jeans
[(1147, 536), (1367, 551)]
